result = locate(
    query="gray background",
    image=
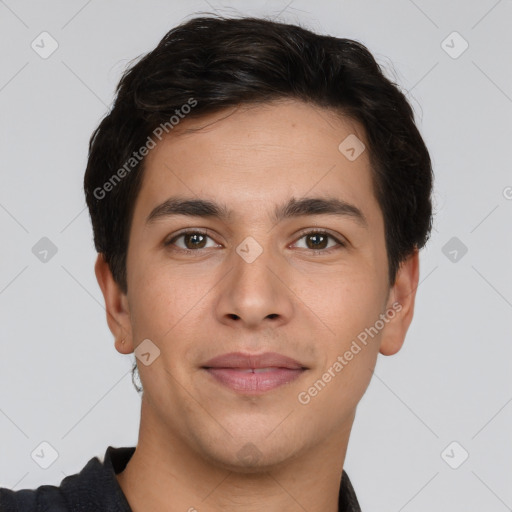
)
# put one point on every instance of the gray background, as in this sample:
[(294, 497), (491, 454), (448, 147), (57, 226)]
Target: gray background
[(61, 380)]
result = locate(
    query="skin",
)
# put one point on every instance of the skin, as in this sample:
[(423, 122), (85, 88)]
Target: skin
[(289, 300)]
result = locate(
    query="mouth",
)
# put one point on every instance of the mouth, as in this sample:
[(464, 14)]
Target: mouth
[(253, 374)]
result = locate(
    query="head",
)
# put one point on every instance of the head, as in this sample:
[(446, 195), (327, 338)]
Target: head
[(257, 130)]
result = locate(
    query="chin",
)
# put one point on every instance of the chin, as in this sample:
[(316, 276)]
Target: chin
[(249, 457)]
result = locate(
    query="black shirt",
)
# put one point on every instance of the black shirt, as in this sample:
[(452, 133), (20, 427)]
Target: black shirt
[(95, 489)]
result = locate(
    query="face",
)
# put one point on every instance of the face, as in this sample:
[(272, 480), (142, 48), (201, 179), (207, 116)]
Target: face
[(253, 276)]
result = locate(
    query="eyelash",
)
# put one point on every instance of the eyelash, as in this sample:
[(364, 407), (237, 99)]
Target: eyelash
[(197, 252)]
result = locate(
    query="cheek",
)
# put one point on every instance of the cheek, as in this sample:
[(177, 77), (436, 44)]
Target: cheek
[(166, 298), (153, 304), (333, 391), (352, 311), (348, 300), (339, 382)]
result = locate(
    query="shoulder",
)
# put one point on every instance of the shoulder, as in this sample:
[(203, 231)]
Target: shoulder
[(95, 488), (44, 498)]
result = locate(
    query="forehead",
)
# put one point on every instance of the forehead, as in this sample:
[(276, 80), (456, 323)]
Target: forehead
[(256, 156)]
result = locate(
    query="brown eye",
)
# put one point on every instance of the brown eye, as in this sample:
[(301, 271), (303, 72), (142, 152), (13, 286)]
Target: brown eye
[(191, 241), (194, 240), (319, 241), (316, 241)]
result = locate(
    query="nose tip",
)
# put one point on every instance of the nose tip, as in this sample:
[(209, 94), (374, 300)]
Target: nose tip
[(253, 294)]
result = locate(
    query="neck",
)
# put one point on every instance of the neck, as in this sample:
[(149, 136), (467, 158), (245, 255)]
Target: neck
[(165, 473)]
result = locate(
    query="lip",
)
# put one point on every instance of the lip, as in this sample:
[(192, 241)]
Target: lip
[(253, 373), (246, 361)]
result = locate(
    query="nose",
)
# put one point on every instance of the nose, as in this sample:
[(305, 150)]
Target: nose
[(255, 293)]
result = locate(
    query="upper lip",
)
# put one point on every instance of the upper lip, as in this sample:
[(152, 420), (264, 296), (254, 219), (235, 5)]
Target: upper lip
[(241, 360)]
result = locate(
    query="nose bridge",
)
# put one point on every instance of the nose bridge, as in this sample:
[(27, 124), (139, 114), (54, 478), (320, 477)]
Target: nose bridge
[(253, 294)]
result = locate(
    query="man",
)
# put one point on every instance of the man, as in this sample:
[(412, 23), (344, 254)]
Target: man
[(258, 195)]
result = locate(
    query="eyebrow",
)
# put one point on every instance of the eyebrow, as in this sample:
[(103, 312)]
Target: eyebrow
[(293, 208)]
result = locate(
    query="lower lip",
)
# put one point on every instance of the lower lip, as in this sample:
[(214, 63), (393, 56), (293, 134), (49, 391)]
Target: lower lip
[(254, 383)]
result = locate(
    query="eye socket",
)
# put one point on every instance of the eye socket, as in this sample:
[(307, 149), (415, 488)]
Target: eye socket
[(201, 236)]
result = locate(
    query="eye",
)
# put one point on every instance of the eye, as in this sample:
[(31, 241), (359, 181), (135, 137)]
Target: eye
[(318, 241), (192, 240)]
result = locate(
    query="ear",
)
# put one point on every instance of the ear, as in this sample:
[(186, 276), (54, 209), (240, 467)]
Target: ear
[(116, 305), (401, 301)]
